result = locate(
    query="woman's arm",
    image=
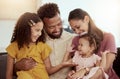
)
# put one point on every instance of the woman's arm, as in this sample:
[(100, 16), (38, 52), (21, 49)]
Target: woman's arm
[(104, 59), (10, 62), (102, 62), (110, 57), (109, 61)]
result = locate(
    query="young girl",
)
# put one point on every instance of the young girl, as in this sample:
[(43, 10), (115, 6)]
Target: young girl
[(28, 41), (88, 62)]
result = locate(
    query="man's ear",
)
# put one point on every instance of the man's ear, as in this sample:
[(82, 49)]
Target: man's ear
[(86, 19)]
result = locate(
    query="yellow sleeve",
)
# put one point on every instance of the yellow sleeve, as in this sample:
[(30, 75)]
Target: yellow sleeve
[(11, 49), (46, 51)]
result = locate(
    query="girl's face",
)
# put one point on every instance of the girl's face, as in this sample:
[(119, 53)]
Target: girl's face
[(79, 26), (36, 31), (84, 47)]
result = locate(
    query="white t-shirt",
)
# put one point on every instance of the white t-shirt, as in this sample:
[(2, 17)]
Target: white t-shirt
[(59, 47)]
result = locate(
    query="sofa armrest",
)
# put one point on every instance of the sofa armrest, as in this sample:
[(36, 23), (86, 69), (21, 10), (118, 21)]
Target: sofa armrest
[(3, 59)]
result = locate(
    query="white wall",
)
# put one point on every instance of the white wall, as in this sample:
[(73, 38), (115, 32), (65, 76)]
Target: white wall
[(6, 30)]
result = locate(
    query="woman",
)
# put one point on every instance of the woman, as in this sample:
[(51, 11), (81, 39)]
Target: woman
[(81, 22)]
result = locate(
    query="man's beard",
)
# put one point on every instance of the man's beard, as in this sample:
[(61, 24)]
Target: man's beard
[(55, 36)]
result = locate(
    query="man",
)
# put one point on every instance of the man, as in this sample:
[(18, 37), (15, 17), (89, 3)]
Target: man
[(56, 38)]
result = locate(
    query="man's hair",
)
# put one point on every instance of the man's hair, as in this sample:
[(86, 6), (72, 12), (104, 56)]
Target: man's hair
[(48, 10)]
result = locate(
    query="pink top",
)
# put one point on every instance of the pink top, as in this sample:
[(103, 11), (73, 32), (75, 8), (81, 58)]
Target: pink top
[(108, 43), (85, 62)]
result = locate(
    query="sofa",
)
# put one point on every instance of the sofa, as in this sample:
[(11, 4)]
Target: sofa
[(3, 59), (116, 63)]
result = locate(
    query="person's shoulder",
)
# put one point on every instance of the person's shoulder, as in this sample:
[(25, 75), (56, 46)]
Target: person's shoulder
[(67, 34), (42, 44), (108, 35), (76, 37), (13, 44)]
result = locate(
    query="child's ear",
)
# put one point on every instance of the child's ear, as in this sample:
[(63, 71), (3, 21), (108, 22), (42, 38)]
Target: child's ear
[(92, 47)]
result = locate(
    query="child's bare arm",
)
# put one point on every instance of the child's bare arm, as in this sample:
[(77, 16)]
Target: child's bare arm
[(52, 69)]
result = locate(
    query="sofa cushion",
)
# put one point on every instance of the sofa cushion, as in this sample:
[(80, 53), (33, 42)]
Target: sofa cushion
[(116, 63), (3, 59)]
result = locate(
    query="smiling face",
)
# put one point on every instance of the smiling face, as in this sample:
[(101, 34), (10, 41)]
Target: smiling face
[(53, 26), (36, 31), (79, 26)]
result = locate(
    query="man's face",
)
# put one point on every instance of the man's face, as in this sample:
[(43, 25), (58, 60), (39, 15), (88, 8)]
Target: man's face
[(53, 26)]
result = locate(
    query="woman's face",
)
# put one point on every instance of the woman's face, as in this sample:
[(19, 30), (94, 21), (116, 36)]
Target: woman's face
[(79, 26)]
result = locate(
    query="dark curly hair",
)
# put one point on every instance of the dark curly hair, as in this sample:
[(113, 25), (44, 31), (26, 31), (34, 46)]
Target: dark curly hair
[(48, 10), (22, 30)]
